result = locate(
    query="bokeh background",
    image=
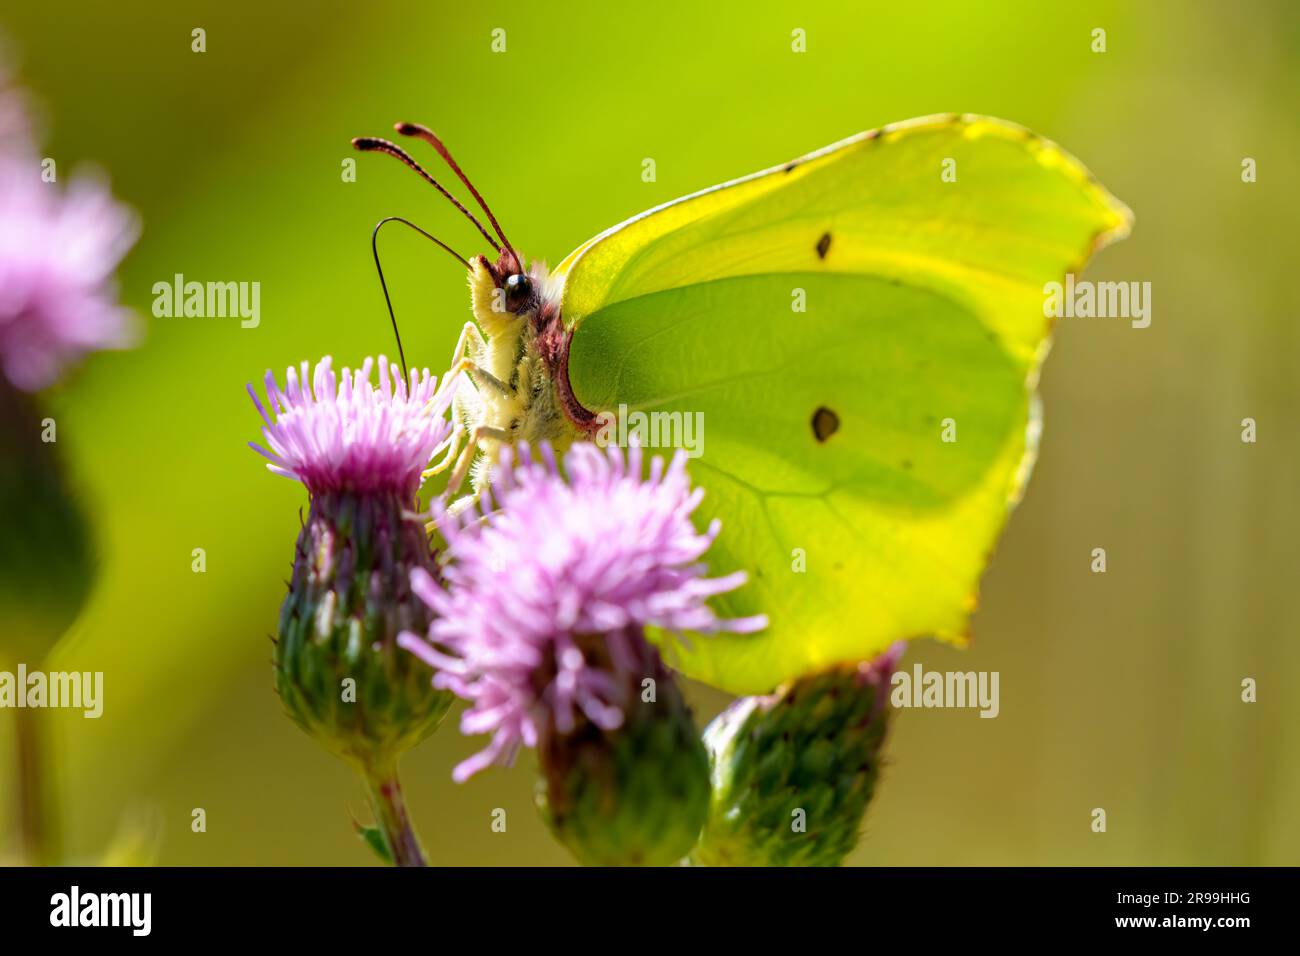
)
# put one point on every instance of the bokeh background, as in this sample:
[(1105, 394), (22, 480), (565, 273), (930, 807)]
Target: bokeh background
[(1119, 690)]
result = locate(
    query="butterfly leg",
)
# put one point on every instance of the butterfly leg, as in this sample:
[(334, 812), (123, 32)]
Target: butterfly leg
[(466, 458), (464, 359), (471, 340), (450, 448), (465, 342), (479, 375), (447, 449)]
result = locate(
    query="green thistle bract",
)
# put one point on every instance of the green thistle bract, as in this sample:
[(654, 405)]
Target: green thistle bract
[(793, 772), (634, 795), (337, 665)]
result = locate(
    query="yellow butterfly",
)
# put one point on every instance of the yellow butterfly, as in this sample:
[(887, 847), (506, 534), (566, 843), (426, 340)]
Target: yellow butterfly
[(861, 330)]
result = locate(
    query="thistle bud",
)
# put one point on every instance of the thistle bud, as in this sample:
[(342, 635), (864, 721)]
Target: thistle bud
[(338, 669), (359, 449), (633, 794), (551, 582), (793, 772), (58, 303)]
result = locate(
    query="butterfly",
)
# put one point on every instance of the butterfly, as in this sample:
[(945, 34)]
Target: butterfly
[(860, 332)]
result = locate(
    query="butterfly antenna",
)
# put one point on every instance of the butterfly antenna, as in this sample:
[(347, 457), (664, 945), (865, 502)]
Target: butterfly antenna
[(374, 248), (373, 144), (428, 135)]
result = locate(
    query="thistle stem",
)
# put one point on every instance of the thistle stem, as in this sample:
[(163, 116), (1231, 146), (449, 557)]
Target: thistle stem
[(390, 811), (38, 821)]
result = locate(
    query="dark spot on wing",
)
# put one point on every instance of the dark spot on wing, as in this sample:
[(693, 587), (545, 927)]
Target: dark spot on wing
[(825, 423), (823, 245), (791, 166)]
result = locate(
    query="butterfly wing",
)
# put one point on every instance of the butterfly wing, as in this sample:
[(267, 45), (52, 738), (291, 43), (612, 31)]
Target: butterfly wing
[(860, 333)]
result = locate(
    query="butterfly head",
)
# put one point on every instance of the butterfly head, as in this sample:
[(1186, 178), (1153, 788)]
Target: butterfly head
[(504, 294), (502, 291)]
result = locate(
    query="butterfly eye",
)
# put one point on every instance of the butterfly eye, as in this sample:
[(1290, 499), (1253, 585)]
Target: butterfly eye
[(519, 288)]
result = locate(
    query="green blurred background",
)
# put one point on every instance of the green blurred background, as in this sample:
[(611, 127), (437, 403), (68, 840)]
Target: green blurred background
[(1119, 691)]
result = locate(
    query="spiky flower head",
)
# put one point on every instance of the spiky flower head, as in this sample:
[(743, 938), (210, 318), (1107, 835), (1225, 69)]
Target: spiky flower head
[(344, 433), (359, 448), (793, 771), (551, 582), (58, 252), (546, 559)]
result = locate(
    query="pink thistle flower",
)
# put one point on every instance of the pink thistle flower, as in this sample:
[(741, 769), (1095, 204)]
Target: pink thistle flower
[(344, 433), (58, 252), (599, 553), (360, 448)]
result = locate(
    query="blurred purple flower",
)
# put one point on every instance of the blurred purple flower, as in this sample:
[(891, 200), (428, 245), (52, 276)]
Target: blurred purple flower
[(352, 435), (551, 564), (58, 252)]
